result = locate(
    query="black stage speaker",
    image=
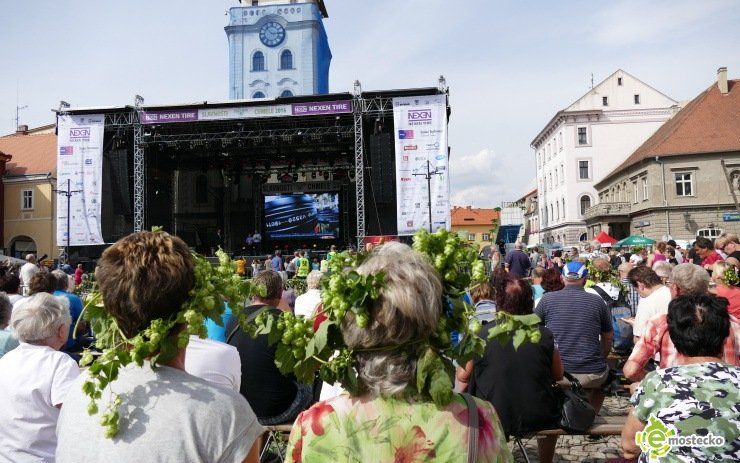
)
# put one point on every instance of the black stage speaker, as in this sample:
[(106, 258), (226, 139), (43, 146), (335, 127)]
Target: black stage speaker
[(382, 167)]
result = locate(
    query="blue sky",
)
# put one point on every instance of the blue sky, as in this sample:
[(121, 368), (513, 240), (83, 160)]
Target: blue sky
[(510, 65)]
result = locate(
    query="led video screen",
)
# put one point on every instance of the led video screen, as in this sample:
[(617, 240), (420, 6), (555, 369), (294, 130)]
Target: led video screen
[(302, 216)]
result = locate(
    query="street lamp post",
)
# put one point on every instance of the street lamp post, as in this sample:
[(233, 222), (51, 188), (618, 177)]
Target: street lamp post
[(428, 176), (68, 192)]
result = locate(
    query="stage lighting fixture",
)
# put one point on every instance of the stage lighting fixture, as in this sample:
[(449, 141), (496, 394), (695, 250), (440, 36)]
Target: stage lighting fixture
[(295, 178), (351, 174), (326, 175), (313, 175)]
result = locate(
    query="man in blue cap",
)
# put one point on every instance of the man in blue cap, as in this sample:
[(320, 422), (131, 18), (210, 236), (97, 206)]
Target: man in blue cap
[(581, 325)]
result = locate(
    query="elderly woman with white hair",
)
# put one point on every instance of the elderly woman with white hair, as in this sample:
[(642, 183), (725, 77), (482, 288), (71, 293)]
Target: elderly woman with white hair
[(35, 378), (306, 303), (385, 423), (7, 341)]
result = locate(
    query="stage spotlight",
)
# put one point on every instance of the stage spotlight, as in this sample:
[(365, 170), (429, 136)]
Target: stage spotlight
[(326, 175), (295, 178), (313, 175), (351, 174)]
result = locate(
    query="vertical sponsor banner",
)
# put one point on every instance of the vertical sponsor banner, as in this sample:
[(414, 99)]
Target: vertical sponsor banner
[(80, 161), (421, 137)]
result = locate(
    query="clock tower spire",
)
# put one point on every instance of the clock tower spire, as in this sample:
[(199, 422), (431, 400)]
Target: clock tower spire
[(278, 48)]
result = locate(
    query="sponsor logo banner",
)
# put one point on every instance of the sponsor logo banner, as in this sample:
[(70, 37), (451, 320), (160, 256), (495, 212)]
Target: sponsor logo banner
[(80, 165), (429, 112)]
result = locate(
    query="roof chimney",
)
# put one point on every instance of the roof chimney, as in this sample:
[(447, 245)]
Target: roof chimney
[(22, 130), (722, 80)]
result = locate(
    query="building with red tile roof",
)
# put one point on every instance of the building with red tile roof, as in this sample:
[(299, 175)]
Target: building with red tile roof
[(475, 224)]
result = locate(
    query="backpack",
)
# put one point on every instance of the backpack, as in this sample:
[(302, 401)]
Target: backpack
[(619, 310)]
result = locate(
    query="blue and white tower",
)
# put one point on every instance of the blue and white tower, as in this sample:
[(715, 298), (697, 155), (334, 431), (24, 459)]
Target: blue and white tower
[(278, 48)]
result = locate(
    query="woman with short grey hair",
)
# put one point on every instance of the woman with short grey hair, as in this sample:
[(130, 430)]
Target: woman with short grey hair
[(688, 280), (385, 423), (35, 378), (306, 303)]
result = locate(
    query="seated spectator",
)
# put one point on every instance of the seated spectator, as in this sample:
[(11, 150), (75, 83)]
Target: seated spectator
[(217, 331), (482, 298), (7, 341), (35, 379), (74, 343), (602, 278), (633, 297), (730, 247), (686, 280), (287, 297), (654, 297), (11, 285), (216, 362), (697, 397), (275, 398), (173, 416), (551, 282), (537, 274), (384, 424), (582, 326), (306, 303), (671, 256), (42, 282), (663, 269), (519, 382), (725, 289)]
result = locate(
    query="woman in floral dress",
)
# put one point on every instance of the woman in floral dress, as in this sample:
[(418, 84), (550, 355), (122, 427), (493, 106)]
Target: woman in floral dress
[(386, 424)]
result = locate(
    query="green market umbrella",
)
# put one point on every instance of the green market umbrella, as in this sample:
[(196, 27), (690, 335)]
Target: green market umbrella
[(635, 240)]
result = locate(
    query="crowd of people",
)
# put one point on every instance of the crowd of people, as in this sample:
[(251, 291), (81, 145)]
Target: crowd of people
[(671, 314)]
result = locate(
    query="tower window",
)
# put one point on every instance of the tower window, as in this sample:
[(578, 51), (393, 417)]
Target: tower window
[(286, 93), (619, 81), (258, 95), (585, 203), (605, 101), (258, 61), (286, 60), (637, 99)]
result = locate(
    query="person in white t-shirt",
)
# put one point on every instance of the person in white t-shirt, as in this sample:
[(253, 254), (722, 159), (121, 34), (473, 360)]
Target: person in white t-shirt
[(655, 297), (306, 303), (34, 379), (214, 361), (28, 270)]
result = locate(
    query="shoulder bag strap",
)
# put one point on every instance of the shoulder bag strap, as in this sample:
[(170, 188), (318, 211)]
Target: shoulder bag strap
[(606, 297), (250, 319), (472, 427)]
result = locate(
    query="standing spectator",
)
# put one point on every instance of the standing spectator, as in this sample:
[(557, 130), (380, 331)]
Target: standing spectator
[(256, 267), (679, 255), (698, 397), (306, 303), (557, 259), (275, 398), (75, 310), (663, 269), (482, 297), (79, 272), (292, 265), (518, 382), (249, 242), (731, 248), (517, 263), (671, 255), (534, 257), (28, 270), (382, 423), (174, 416), (686, 280), (7, 341), (658, 254), (655, 297), (582, 327), (495, 259), (633, 297), (537, 289), (35, 379), (726, 289), (277, 261), (574, 254), (705, 250)]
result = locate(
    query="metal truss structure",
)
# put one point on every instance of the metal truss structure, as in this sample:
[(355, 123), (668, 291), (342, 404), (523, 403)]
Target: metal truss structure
[(359, 164)]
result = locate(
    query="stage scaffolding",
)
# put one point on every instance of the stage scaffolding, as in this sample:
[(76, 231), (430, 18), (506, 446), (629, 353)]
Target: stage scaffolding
[(367, 106)]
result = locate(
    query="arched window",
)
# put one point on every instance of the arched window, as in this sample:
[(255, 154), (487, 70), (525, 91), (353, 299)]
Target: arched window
[(201, 189), (258, 95), (286, 60), (258, 61), (585, 203), (557, 210), (286, 93)]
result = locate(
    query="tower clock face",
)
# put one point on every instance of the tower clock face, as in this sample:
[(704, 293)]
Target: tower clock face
[(272, 34)]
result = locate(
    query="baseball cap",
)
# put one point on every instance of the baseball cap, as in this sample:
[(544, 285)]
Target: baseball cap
[(575, 271)]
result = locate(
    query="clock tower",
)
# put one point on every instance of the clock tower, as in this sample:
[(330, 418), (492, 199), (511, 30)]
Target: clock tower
[(277, 48)]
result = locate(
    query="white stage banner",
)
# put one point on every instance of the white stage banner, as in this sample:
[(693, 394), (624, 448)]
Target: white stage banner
[(80, 171), (421, 152)]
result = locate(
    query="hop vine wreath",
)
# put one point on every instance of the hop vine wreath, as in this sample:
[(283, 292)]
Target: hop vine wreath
[(730, 277), (157, 343), (307, 347)]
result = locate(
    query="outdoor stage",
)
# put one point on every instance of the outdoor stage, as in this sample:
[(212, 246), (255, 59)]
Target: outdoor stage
[(305, 172)]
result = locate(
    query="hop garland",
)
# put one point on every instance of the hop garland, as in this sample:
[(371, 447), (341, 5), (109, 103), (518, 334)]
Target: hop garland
[(307, 347), (160, 341), (730, 277)]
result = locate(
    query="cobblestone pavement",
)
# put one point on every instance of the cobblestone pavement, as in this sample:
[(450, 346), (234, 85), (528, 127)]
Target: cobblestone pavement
[(581, 448)]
